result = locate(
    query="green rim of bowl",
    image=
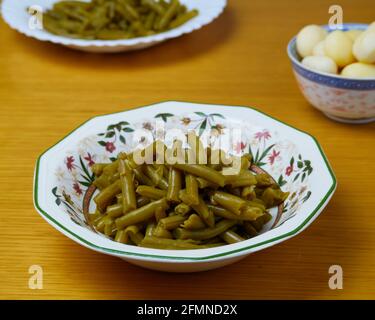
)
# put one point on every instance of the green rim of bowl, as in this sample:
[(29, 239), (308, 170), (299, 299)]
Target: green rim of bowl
[(181, 258)]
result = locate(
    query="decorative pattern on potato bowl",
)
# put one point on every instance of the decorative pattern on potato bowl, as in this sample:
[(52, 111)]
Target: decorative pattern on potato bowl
[(63, 179), (16, 16)]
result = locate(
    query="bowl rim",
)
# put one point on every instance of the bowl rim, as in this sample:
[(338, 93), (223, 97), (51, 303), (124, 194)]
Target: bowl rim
[(46, 36), (181, 259), (351, 26)]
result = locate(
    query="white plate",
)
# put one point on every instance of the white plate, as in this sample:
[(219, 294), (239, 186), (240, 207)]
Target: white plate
[(16, 15), (63, 191)]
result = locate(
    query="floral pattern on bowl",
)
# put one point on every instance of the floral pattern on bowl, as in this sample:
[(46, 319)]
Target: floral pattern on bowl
[(292, 158)]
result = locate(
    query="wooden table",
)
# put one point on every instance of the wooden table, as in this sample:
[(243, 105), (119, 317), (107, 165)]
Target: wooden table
[(46, 90)]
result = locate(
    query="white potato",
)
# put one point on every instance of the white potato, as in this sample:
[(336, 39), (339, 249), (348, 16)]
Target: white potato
[(308, 38), (319, 49), (364, 47), (320, 63), (353, 34), (359, 70), (338, 46), (371, 26)]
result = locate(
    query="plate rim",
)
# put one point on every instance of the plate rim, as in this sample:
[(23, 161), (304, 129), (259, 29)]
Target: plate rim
[(127, 43)]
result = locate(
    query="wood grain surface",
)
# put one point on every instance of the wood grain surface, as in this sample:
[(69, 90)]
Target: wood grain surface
[(47, 90)]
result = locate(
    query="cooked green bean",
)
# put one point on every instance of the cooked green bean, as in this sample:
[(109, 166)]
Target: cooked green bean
[(160, 213), (182, 209), (156, 176), (243, 179), (141, 214), (228, 201), (151, 192), (203, 172), (192, 192), (115, 210), (205, 234), (105, 197), (129, 202), (194, 222), (183, 18), (200, 208), (114, 19), (161, 232), (172, 222), (180, 206), (273, 197), (250, 214), (174, 185), (230, 236)]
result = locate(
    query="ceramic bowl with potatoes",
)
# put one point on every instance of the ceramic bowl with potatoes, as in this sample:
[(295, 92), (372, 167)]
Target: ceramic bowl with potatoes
[(335, 70)]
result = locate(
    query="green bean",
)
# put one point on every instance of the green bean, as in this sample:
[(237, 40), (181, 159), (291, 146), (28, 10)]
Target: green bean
[(250, 229), (201, 208), (194, 222), (203, 172), (97, 168), (160, 213), (141, 214), (204, 234), (182, 209), (142, 201), (273, 197), (229, 201), (151, 192), (156, 7), (169, 14), (129, 202), (203, 184), (264, 180), (121, 236), (105, 196), (213, 208), (183, 18), (250, 214), (230, 236), (192, 192), (174, 185), (115, 210), (248, 193), (161, 232), (150, 229), (141, 177), (156, 176), (245, 178), (172, 222)]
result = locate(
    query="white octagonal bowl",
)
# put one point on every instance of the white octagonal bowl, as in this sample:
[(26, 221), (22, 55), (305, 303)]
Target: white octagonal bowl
[(63, 190), (16, 16)]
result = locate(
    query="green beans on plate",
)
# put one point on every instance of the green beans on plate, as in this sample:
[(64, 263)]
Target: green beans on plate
[(181, 206), (115, 19)]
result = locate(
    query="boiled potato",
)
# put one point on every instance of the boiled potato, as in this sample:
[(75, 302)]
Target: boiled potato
[(338, 46), (359, 70), (371, 26), (353, 34), (308, 38), (320, 63), (364, 46), (319, 49)]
